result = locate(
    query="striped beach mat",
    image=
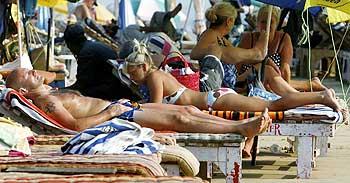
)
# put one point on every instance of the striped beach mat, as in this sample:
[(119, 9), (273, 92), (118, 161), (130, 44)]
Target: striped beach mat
[(53, 162), (238, 115)]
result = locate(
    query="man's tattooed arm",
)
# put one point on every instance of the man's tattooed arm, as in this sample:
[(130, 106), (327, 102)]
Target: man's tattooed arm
[(49, 107)]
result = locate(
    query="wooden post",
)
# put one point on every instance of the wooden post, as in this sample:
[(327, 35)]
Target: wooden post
[(49, 39), (304, 161), (19, 32), (268, 26), (116, 9)]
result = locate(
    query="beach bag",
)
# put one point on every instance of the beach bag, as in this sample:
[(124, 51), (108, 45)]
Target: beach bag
[(180, 68)]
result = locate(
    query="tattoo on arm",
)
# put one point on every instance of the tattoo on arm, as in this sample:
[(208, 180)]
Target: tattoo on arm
[(49, 107)]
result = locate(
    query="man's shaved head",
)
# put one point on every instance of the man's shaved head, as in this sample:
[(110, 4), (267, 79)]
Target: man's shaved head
[(13, 81), (24, 78)]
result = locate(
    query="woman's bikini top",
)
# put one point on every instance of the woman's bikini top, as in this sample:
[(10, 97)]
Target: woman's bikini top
[(171, 99), (275, 57)]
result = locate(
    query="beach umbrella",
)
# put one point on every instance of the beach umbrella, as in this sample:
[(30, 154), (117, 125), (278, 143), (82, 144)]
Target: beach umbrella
[(51, 3), (338, 11)]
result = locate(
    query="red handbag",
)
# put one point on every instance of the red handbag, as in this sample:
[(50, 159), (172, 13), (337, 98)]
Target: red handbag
[(185, 75)]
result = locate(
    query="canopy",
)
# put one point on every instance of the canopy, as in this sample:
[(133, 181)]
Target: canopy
[(338, 11), (51, 3)]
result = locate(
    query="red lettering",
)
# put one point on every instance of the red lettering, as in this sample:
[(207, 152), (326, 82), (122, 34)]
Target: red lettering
[(277, 129), (269, 129)]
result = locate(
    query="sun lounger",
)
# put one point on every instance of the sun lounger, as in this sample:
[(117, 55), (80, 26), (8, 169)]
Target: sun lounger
[(47, 159), (175, 159), (14, 104), (47, 165), (225, 150), (88, 178), (311, 127)]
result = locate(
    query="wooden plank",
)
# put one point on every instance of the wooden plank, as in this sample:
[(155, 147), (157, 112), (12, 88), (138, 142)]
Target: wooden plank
[(61, 170), (306, 130), (205, 153), (322, 145), (171, 169), (207, 138), (233, 169), (305, 155)]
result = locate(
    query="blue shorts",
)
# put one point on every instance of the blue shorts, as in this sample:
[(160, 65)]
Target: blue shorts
[(128, 115)]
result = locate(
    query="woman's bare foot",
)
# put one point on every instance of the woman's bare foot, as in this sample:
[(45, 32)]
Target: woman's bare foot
[(329, 99), (255, 125), (246, 153), (248, 144), (316, 83)]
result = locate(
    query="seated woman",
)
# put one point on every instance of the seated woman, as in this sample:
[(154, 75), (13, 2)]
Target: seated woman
[(213, 43), (280, 49)]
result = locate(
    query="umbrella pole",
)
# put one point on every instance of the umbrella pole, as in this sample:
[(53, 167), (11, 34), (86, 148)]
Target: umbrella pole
[(261, 75), (116, 9), (268, 26), (49, 39), (19, 32)]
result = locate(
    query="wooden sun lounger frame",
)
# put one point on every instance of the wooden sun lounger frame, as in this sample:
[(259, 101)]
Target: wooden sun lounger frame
[(82, 164), (311, 141), (88, 178), (226, 149)]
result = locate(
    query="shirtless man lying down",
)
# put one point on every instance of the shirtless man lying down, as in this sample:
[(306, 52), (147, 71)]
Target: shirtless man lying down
[(78, 112)]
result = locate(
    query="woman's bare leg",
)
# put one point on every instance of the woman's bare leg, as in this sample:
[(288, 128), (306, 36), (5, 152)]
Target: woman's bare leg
[(236, 102), (304, 85), (185, 119), (277, 83), (170, 107)]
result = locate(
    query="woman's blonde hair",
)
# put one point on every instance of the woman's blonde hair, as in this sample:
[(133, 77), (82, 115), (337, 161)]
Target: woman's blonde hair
[(218, 13), (276, 12), (140, 55)]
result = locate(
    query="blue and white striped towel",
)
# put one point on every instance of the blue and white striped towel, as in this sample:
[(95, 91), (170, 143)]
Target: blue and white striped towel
[(116, 136)]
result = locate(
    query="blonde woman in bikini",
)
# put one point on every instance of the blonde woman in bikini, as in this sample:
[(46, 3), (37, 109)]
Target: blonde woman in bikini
[(164, 88)]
